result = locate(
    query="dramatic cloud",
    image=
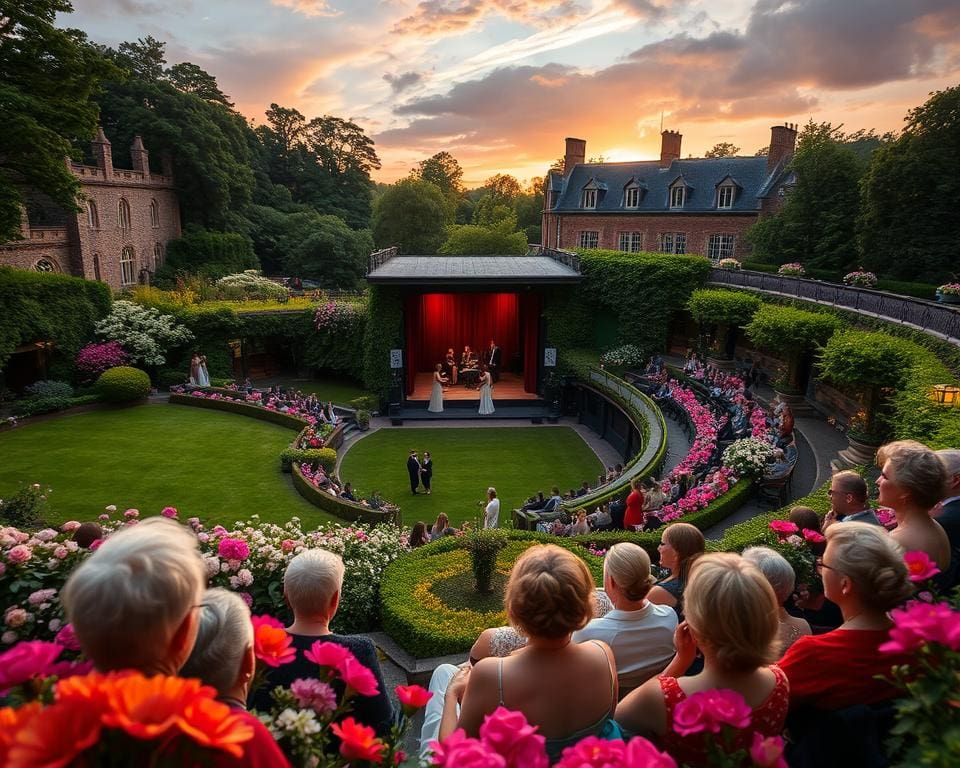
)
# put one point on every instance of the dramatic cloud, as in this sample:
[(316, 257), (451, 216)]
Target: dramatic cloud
[(307, 7), (438, 18), (402, 81)]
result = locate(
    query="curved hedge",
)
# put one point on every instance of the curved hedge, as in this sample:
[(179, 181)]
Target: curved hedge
[(346, 510), (232, 406), (419, 621), (123, 384)]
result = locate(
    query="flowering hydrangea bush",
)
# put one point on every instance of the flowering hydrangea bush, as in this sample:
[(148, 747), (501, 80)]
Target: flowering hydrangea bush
[(143, 332), (729, 264), (94, 359), (249, 559), (861, 278), (793, 269), (250, 284), (748, 457), (337, 315), (625, 356)]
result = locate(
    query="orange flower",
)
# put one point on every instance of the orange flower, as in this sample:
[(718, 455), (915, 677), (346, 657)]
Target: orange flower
[(53, 737), (89, 690), (11, 721), (211, 724), (148, 707), (357, 741), (271, 645)]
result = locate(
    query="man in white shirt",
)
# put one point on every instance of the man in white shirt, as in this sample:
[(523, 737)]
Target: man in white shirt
[(491, 514)]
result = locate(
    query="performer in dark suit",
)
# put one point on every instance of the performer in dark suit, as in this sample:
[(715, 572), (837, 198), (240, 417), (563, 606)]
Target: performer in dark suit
[(413, 469), (493, 361), (426, 471)]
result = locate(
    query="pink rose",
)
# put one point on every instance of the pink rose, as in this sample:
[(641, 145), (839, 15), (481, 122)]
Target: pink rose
[(70, 525), (67, 638), (234, 549), (511, 736), (329, 655), (61, 552), (19, 554), (131, 513), (729, 708), (287, 545), (920, 623), (813, 536), (592, 752), (25, 661), (640, 753), (170, 512), (359, 678), (783, 527), (459, 751), (920, 566), (690, 716), (767, 753)]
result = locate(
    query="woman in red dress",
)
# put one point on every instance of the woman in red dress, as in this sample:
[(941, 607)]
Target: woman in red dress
[(634, 514)]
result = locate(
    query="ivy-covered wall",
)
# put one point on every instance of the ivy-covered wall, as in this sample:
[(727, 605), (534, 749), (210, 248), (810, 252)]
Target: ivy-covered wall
[(36, 306), (384, 332)]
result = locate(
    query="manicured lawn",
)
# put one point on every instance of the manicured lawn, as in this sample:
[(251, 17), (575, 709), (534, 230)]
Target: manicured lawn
[(517, 461), (216, 466)]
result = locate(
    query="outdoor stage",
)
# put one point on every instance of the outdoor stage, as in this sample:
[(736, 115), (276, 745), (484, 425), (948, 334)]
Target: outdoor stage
[(510, 387)]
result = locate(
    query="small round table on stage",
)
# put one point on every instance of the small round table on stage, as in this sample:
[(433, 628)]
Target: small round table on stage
[(470, 377)]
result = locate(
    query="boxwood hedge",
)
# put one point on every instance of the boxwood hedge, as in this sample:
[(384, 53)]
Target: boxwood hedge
[(123, 384)]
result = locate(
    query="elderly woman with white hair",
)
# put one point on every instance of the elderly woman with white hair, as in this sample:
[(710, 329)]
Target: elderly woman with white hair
[(223, 658), (778, 571), (133, 603), (311, 586)]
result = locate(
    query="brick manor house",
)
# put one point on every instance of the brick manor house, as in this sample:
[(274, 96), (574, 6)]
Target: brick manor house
[(119, 236), (697, 205)]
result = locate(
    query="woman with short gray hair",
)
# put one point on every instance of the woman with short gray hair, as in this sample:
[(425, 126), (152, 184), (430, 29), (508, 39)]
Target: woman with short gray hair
[(778, 571)]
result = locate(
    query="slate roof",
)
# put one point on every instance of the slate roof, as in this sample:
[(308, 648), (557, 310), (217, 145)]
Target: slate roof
[(701, 175), (473, 270)]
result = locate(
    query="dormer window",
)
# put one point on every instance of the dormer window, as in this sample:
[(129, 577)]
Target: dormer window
[(631, 197), (726, 195), (554, 198), (678, 196), (588, 198)]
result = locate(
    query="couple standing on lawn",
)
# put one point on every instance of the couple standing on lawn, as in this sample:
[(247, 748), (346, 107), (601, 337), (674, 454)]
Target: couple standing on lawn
[(420, 471)]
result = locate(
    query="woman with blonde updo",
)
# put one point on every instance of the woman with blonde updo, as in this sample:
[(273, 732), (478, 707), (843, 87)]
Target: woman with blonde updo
[(639, 632), (912, 481), (680, 546), (863, 572), (732, 617), (549, 596)]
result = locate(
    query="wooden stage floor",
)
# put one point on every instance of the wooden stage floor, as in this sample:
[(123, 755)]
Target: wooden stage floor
[(510, 387)]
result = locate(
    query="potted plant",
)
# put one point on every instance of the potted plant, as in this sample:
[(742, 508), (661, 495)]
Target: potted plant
[(860, 279), (949, 293), (363, 419), (793, 269), (729, 263)]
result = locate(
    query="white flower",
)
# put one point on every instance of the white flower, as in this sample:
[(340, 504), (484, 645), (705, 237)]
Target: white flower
[(301, 722)]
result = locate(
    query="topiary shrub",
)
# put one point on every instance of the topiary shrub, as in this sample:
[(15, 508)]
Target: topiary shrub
[(483, 546), (123, 384), (324, 457)]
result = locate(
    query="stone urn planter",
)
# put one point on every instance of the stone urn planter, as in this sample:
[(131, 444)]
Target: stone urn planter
[(723, 363), (857, 452), (948, 298)]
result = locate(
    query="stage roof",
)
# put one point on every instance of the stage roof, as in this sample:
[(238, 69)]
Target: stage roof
[(473, 270)]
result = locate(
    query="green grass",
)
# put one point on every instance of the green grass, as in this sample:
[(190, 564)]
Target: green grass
[(517, 461), (339, 390), (215, 466)]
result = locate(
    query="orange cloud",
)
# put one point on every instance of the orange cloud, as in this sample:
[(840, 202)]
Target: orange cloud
[(307, 7), (439, 18)]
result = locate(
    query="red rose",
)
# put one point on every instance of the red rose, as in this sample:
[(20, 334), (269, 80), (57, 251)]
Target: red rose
[(357, 741)]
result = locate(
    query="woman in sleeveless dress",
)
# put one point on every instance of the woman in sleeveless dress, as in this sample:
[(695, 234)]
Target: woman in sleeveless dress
[(195, 369), (203, 377), (737, 656), (486, 393), (548, 597), (436, 394), (680, 545)]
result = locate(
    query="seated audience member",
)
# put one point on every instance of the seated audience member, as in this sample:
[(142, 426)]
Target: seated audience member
[(548, 597), (441, 527), (912, 480), (311, 586), (639, 633), (805, 518), (553, 509), (418, 535), (949, 513), (600, 518), (347, 492), (534, 503), (653, 496), (611, 474), (579, 526), (583, 490), (634, 514), (848, 500), (863, 573), (154, 577), (736, 654), (782, 578), (87, 533), (222, 658), (680, 546)]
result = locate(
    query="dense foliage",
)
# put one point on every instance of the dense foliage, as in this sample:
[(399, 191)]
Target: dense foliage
[(789, 332), (123, 384), (383, 333), (36, 306), (470, 239), (412, 214), (715, 305), (49, 76), (211, 254)]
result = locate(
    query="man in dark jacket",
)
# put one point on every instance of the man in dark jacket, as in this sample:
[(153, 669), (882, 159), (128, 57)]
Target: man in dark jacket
[(413, 469)]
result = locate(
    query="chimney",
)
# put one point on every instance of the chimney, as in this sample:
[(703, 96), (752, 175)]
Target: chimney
[(576, 152), (140, 157), (669, 147), (783, 141), (102, 154)]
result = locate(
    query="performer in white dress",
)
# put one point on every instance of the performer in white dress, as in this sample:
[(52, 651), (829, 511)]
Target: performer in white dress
[(436, 394), (486, 393), (203, 378)]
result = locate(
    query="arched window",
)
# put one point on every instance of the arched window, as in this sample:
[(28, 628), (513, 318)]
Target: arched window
[(96, 267), (93, 218), (128, 275), (123, 214), (45, 265), (154, 214), (157, 256)]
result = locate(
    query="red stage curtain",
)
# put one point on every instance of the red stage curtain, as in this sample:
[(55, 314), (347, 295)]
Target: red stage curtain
[(531, 340), (435, 322)]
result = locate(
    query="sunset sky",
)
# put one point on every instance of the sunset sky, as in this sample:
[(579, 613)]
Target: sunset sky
[(500, 83)]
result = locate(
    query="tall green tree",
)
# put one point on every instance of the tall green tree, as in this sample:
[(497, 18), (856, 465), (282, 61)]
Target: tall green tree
[(47, 79), (473, 239), (817, 223), (909, 226), (190, 78), (723, 149), (413, 215), (443, 171), (329, 251)]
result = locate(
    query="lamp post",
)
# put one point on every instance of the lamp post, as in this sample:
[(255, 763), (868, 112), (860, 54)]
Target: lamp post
[(946, 394)]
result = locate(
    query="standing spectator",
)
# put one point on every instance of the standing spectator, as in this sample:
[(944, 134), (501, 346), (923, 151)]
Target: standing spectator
[(413, 470), (634, 514), (491, 513)]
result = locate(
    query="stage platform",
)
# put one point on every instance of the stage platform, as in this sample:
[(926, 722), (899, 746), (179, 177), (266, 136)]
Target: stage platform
[(509, 388)]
